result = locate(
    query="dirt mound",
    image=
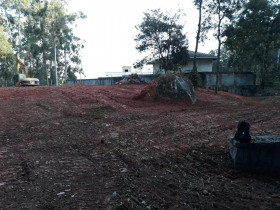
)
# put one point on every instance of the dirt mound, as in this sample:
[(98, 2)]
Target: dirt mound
[(170, 86), (132, 79)]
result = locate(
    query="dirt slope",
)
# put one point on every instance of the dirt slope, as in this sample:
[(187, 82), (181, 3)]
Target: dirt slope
[(95, 147)]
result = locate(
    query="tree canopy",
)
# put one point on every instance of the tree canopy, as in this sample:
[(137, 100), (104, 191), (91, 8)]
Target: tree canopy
[(220, 13), (160, 35), (5, 45), (5, 55), (254, 39), (35, 28)]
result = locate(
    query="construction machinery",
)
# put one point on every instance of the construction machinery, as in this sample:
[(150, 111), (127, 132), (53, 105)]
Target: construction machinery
[(22, 78)]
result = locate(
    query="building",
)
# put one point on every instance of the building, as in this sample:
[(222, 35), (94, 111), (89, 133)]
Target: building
[(127, 70), (204, 63)]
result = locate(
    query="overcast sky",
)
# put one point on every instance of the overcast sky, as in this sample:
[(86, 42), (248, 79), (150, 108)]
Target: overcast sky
[(109, 31)]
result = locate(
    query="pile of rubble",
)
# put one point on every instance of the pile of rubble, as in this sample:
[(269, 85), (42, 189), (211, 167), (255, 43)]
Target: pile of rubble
[(132, 79), (170, 86)]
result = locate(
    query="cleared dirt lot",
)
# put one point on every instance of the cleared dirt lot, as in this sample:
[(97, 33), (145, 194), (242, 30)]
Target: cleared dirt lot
[(94, 147)]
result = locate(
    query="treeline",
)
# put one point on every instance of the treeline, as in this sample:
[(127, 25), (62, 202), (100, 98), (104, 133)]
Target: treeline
[(249, 38), (247, 31), (247, 34), (33, 29)]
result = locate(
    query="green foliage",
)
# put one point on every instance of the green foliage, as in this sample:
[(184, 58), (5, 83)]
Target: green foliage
[(220, 13), (225, 65), (7, 70), (161, 36), (71, 75), (254, 40), (195, 78), (35, 27), (5, 46)]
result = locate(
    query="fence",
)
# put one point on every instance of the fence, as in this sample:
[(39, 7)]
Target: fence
[(242, 83), (107, 80)]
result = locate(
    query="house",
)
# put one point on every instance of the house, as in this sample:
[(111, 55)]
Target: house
[(127, 70), (204, 63)]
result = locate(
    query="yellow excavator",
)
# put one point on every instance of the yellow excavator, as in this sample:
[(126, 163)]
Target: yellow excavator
[(22, 78)]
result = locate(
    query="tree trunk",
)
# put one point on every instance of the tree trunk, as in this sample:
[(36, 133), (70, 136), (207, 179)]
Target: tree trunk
[(218, 67), (51, 72), (45, 67), (197, 35), (219, 48), (37, 63), (265, 67), (65, 67)]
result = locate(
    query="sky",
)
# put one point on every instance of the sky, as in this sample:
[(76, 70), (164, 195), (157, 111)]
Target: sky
[(109, 31)]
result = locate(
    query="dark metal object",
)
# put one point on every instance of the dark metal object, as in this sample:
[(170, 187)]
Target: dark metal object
[(242, 135)]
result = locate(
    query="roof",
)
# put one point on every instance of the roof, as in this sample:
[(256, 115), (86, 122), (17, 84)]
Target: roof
[(202, 55), (199, 55)]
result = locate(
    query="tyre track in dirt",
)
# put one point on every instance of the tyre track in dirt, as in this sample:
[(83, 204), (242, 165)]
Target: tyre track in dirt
[(96, 148)]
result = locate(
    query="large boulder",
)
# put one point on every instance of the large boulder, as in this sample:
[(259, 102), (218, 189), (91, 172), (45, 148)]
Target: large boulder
[(170, 86)]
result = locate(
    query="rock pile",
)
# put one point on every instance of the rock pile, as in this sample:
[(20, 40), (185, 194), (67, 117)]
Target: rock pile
[(132, 79), (170, 86)]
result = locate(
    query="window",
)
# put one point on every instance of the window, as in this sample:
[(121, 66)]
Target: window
[(126, 70)]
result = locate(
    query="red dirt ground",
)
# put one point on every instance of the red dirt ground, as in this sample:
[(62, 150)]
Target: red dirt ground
[(95, 147)]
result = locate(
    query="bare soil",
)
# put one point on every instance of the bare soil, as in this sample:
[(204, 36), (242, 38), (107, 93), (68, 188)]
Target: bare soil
[(95, 147)]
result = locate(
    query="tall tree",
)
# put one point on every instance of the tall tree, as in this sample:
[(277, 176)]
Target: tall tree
[(254, 40), (221, 12), (225, 64), (5, 45), (41, 23), (13, 14), (160, 35), (198, 4), (5, 53), (200, 35)]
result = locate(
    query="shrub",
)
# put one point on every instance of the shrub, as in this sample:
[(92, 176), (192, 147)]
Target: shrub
[(195, 78)]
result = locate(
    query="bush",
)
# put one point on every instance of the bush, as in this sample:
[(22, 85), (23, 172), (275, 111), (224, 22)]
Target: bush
[(195, 78), (169, 86)]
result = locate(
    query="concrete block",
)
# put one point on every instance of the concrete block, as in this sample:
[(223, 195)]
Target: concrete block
[(263, 152), (276, 159)]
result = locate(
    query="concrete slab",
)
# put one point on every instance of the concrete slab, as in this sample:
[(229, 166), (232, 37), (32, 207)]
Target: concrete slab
[(262, 153)]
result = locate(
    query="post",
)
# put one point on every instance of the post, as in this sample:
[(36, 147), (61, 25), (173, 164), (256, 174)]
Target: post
[(65, 71), (278, 56), (55, 67)]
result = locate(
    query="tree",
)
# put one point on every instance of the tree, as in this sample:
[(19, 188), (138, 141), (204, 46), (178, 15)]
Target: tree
[(161, 36), (200, 35), (5, 53), (225, 64), (221, 12), (7, 70), (197, 3), (195, 78), (254, 40), (34, 26), (5, 46)]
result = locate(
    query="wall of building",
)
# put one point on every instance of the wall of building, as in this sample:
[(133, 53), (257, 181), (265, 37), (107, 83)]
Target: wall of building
[(107, 80), (229, 79), (243, 83), (126, 69), (204, 65)]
